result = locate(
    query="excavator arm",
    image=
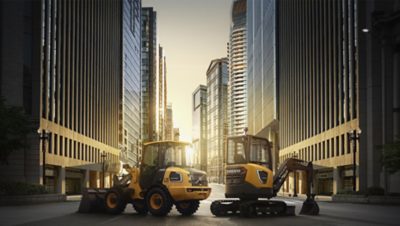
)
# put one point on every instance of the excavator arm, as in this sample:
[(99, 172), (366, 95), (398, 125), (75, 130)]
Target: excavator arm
[(290, 165), (310, 207)]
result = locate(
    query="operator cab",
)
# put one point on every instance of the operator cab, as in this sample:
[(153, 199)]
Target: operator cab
[(248, 149), (157, 156)]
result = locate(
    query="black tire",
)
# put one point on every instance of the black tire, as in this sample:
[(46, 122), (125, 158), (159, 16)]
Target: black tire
[(140, 207), (114, 201), (187, 208), (217, 209), (158, 202)]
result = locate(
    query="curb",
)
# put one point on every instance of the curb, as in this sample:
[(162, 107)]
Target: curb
[(390, 200)]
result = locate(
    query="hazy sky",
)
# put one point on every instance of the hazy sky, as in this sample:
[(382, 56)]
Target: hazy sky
[(192, 32)]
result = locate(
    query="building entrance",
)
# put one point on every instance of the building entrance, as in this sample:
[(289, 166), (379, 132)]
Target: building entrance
[(73, 182)]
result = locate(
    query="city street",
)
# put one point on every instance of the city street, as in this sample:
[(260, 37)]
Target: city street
[(330, 214)]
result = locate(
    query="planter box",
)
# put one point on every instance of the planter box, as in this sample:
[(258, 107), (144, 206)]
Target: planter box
[(366, 199), (31, 199), (350, 198)]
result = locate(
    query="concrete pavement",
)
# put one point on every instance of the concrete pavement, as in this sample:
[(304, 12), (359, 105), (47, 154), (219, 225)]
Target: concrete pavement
[(64, 213)]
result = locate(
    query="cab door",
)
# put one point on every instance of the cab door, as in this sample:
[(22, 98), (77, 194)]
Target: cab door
[(150, 165)]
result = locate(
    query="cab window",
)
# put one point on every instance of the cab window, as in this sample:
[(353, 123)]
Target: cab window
[(236, 153), (151, 155)]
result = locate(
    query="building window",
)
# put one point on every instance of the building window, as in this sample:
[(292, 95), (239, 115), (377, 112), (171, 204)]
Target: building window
[(348, 145), (74, 147), (328, 149), (55, 144), (65, 146), (337, 146), (70, 148), (312, 153), (50, 146), (343, 144), (86, 152), (61, 145)]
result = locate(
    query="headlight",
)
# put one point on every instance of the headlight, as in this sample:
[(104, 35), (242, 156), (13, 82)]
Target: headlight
[(175, 177), (198, 179), (263, 176), (236, 171)]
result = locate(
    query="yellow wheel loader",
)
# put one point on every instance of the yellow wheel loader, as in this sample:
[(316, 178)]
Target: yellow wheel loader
[(163, 179), (249, 177)]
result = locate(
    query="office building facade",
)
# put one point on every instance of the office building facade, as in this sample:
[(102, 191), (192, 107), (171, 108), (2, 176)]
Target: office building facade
[(162, 93), (217, 97), (149, 75), (237, 85), (262, 72), (328, 63), (199, 127), (61, 62), (130, 136)]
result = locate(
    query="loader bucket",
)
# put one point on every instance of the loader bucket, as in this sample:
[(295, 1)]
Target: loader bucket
[(310, 206), (92, 201)]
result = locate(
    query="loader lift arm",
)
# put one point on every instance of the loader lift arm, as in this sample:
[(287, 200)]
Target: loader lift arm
[(289, 165)]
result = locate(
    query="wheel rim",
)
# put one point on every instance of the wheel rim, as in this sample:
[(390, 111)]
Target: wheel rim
[(156, 201), (112, 200)]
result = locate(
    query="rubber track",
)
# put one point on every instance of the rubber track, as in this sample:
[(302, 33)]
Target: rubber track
[(254, 208)]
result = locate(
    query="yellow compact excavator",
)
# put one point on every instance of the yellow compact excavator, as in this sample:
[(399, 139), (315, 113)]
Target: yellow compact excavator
[(163, 179), (249, 177)]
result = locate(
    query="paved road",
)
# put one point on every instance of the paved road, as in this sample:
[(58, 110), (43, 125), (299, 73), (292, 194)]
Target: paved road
[(60, 214)]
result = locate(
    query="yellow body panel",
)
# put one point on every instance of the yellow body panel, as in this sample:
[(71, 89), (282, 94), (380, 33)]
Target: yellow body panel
[(135, 175), (252, 175), (183, 190), (179, 191)]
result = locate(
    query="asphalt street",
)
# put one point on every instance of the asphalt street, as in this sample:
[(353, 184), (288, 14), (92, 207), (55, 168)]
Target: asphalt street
[(59, 214)]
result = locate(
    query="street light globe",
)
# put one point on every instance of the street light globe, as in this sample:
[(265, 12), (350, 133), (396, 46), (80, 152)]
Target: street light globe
[(365, 30)]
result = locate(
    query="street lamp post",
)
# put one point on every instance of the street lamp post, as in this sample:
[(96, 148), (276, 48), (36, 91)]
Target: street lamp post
[(103, 157), (295, 179), (43, 136), (354, 136)]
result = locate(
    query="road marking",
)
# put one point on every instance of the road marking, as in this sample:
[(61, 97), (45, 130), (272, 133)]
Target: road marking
[(111, 220)]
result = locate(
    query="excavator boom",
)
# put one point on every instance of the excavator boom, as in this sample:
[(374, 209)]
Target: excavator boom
[(310, 206)]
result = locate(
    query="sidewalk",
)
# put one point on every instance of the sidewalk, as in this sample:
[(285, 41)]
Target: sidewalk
[(74, 198)]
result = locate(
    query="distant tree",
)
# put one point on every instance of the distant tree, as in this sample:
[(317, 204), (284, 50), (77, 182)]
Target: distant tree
[(14, 128), (391, 156)]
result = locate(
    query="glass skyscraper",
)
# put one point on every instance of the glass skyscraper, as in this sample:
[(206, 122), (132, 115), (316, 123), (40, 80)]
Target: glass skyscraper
[(199, 126), (262, 71), (149, 74), (217, 92), (162, 94), (131, 86), (237, 87)]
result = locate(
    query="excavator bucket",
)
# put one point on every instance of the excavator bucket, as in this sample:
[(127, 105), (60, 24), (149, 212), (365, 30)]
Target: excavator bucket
[(310, 206), (92, 200)]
